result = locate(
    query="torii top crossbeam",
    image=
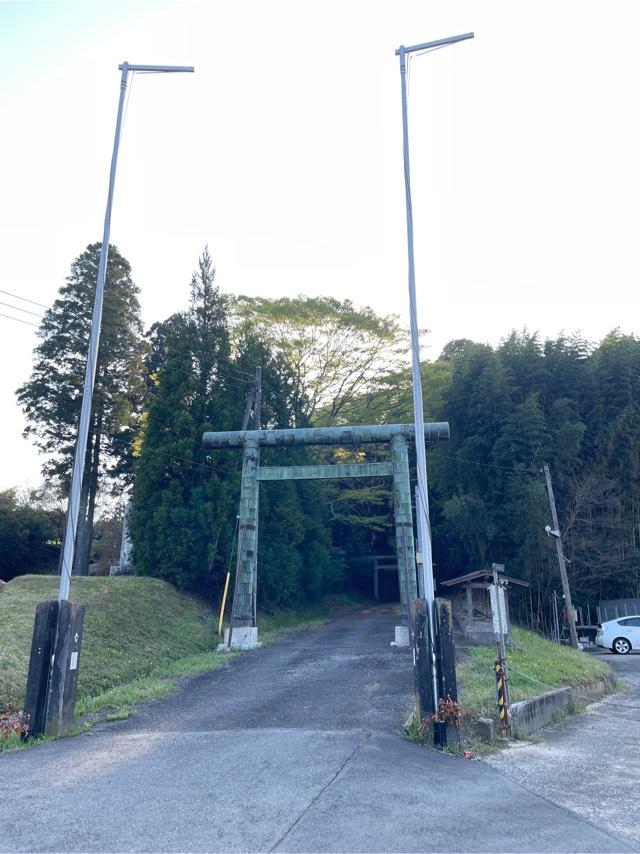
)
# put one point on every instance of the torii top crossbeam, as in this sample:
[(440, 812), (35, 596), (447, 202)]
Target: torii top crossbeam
[(346, 435)]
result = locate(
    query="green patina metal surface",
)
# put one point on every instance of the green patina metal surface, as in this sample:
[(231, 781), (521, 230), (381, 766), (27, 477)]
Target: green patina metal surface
[(325, 471), (252, 473), (247, 538), (360, 435), (403, 515)]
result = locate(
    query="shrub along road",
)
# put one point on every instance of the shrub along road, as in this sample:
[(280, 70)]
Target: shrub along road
[(294, 747)]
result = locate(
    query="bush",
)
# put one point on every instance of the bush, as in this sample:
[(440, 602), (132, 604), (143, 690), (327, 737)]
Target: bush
[(12, 719)]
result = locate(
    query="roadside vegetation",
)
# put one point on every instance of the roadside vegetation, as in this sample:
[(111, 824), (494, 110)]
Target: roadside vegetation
[(140, 636), (536, 666)]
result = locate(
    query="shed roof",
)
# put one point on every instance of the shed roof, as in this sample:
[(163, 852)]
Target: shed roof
[(482, 573)]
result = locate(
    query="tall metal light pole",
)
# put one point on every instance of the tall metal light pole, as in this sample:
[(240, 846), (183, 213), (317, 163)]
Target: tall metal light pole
[(422, 508), (71, 526)]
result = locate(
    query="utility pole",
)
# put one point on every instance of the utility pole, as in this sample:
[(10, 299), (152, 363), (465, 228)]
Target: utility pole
[(561, 561)]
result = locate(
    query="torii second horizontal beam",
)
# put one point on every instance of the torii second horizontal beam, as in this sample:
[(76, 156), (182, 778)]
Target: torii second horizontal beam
[(325, 472), (362, 435)]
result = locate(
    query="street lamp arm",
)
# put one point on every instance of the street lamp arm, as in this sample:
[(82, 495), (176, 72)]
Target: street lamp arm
[(437, 43), (166, 68)]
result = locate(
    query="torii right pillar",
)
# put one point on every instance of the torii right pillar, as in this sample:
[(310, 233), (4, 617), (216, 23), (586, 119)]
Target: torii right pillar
[(405, 548)]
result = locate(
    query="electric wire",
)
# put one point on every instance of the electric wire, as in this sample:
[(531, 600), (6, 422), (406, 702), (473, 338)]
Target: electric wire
[(411, 55), (242, 376), (17, 308), (174, 457), (126, 106), (574, 691), (24, 299), (226, 373), (19, 320)]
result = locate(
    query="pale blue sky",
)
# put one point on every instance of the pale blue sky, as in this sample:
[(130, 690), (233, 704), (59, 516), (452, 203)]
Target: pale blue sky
[(283, 153)]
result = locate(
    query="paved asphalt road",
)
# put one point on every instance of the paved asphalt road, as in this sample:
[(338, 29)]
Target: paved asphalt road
[(294, 747), (589, 763)]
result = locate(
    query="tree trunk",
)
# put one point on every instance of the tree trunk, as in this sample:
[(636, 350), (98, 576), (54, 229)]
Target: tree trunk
[(80, 568), (84, 545)]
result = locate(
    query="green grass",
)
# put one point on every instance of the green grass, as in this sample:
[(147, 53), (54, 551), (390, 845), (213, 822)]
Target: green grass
[(544, 665), (133, 627), (140, 636)]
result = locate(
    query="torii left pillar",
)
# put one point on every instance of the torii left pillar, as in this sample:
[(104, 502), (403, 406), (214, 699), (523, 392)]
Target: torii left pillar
[(244, 633)]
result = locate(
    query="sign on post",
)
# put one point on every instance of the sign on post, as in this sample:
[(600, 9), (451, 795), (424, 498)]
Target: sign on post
[(498, 610)]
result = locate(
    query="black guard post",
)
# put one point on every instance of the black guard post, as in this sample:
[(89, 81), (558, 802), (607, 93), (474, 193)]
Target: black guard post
[(52, 682), (63, 681), (42, 641), (446, 654), (447, 682), (422, 664)]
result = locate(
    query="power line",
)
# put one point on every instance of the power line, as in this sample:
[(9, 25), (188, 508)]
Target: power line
[(219, 373), (225, 373), (239, 371), (175, 457), (24, 299), (19, 320), (24, 310), (527, 470), (243, 376)]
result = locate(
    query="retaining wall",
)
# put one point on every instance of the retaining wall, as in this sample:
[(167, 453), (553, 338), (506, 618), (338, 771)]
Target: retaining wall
[(530, 715)]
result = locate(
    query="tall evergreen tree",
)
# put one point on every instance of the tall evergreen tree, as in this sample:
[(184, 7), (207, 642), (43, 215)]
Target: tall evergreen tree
[(52, 397), (181, 498), (185, 501)]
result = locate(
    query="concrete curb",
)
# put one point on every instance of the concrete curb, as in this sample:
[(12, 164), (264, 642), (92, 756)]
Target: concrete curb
[(528, 716)]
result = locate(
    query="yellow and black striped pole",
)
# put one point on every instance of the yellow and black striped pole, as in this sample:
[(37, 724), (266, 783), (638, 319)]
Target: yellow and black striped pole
[(501, 689)]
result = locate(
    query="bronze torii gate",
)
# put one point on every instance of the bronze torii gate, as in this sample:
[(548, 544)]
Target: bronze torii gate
[(244, 631)]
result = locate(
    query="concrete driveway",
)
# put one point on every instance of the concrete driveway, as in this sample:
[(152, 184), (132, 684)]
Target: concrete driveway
[(590, 763), (293, 747)]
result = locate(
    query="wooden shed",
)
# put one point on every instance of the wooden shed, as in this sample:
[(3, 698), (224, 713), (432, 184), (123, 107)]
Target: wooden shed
[(471, 605)]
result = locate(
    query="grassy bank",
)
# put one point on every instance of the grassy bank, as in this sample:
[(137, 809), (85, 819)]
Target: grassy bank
[(140, 636), (537, 665), (132, 627)]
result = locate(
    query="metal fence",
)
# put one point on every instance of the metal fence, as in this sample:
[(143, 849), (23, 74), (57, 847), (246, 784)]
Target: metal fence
[(612, 609)]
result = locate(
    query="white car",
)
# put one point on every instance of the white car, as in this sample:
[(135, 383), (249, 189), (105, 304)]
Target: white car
[(620, 635)]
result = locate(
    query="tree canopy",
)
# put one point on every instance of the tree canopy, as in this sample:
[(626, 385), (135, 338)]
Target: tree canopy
[(184, 501), (333, 352), (52, 396), (512, 408)]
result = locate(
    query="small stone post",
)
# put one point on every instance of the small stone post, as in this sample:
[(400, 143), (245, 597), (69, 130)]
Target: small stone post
[(125, 563)]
